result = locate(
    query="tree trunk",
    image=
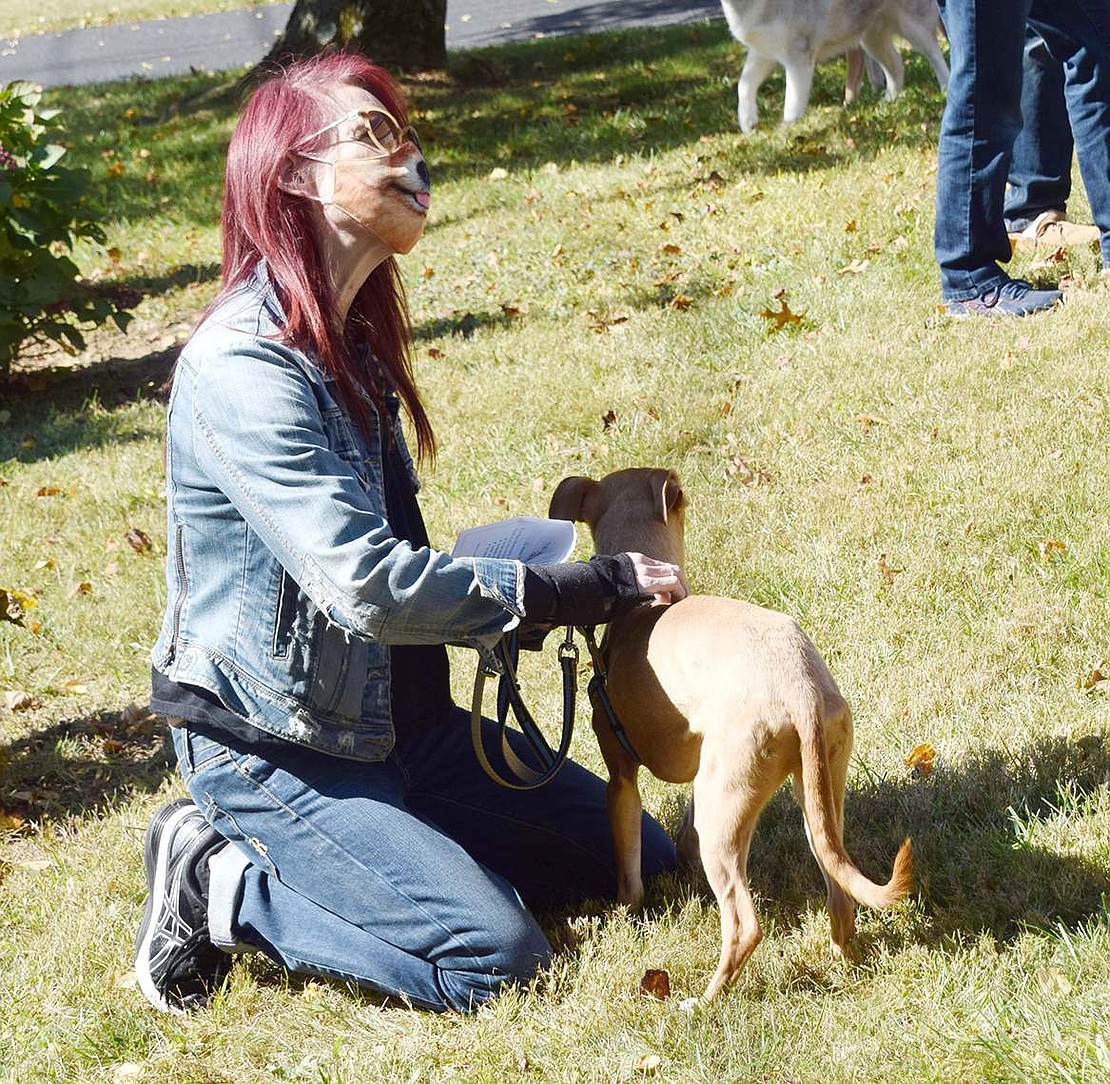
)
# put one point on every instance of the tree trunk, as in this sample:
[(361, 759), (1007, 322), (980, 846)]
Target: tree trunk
[(407, 34)]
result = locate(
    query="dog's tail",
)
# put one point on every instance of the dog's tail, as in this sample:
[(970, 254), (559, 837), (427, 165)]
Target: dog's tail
[(827, 842)]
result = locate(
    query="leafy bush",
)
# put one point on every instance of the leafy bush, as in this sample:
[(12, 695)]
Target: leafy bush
[(41, 217)]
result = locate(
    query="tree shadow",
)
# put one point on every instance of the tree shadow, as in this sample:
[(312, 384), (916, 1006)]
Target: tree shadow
[(85, 766), (978, 864)]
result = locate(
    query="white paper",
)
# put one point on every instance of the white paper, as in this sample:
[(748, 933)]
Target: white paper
[(524, 538)]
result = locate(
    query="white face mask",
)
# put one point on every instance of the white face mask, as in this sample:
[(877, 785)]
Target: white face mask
[(388, 201)]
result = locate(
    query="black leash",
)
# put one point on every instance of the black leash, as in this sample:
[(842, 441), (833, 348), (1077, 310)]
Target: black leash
[(508, 697), (598, 692)]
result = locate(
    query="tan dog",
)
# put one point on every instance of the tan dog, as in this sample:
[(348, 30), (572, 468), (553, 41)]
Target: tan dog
[(731, 696)]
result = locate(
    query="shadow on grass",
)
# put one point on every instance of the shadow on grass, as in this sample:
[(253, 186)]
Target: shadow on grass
[(84, 766), (979, 868)]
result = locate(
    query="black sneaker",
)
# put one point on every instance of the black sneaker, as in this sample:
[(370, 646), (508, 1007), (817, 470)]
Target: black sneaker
[(177, 966)]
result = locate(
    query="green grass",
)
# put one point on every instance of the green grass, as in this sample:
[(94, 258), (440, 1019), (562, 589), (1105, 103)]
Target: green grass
[(618, 268), (18, 18)]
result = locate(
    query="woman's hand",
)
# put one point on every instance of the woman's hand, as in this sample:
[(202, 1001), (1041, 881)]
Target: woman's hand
[(660, 579)]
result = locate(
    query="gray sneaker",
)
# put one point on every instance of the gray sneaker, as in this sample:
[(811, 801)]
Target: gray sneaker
[(177, 966), (1015, 297)]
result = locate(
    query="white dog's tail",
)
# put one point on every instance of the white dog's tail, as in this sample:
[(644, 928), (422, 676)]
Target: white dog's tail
[(826, 839)]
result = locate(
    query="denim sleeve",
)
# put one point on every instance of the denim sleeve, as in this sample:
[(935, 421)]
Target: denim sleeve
[(255, 428)]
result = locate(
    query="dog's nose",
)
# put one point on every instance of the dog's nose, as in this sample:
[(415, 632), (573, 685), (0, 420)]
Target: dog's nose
[(422, 172)]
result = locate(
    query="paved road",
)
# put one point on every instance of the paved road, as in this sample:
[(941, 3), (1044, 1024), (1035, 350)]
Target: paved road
[(231, 39)]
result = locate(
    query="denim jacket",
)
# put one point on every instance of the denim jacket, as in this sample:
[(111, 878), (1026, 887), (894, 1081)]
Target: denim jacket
[(285, 583)]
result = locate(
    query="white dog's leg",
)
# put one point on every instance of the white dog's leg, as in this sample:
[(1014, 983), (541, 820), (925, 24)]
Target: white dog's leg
[(757, 67), (799, 83), (878, 44), (924, 40)]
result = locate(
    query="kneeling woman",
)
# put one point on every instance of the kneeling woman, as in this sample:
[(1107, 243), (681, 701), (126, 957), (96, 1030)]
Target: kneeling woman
[(339, 820)]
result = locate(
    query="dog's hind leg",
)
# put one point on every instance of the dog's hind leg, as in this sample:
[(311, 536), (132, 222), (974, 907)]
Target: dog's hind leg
[(879, 43), (924, 40), (799, 83), (756, 68), (725, 822)]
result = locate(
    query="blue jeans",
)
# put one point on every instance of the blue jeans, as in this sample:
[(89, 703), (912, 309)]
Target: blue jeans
[(405, 876), (1040, 173), (982, 119), (1066, 96)]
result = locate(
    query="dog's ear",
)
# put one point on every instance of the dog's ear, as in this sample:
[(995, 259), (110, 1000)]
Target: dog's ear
[(571, 498), (666, 492)]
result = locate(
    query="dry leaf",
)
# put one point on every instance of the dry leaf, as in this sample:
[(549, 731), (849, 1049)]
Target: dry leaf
[(15, 604), (510, 310), (922, 758), (647, 1063), (681, 301), (83, 588), (49, 491), (11, 822), (608, 420), (887, 571), (18, 700), (1051, 547), (139, 541), (435, 353), (855, 267), (782, 317), (672, 249), (656, 983), (868, 421)]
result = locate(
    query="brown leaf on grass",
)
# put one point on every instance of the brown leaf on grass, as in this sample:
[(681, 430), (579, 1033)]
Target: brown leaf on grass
[(1051, 547), (868, 421), (15, 604), (672, 249), (1094, 682), (603, 322), (608, 420), (855, 267), (83, 588), (681, 301), (510, 310), (922, 758), (139, 540), (887, 571), (778, 319), (656, 983), (18, 700), (11, 822), (648, 1064), (50, 491), (851, 227)]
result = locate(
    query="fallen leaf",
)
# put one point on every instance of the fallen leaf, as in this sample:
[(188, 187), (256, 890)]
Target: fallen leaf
[(1091, 680), (681, 301), (672, 249), (851, 227), (781, 318), (48, 491), (887, 571), (647, 1063), (18, 700), (656, 983), (11, 822), (868, 421), (15, 604), (435, 353), (856, 267), (139, 541), (510, 310), (608, 420), (1051, 547), (83, 588), (922, 758)]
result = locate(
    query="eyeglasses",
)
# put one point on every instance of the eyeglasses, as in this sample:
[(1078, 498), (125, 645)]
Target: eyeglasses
[(376, 128)]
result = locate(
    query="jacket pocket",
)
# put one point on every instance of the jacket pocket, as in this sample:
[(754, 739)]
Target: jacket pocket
[(285, 615)]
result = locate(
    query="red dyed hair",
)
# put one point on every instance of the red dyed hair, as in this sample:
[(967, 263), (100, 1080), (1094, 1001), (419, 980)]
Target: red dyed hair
[(261, 220)]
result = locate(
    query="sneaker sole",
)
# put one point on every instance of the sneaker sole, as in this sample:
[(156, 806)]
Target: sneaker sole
[(164, 825)]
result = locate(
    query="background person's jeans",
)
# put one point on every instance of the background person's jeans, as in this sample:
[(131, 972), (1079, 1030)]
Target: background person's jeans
[(982, 119), (1040, 173), (1076, 34), (403, 876)]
